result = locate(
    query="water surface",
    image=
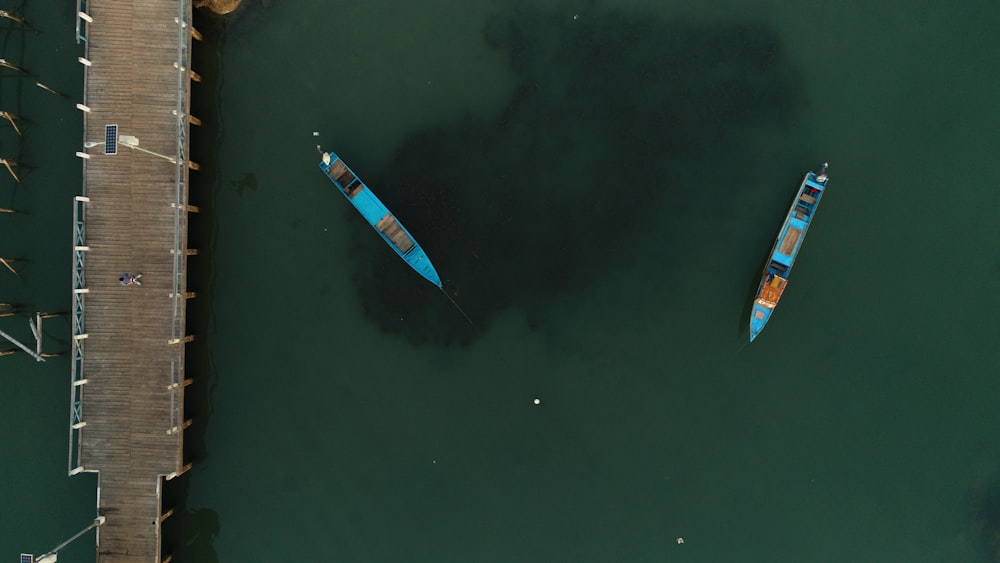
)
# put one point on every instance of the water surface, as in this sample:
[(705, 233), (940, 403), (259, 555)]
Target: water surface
[(599, 184)]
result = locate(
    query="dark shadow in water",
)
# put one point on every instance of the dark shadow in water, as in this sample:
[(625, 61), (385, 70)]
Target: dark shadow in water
[(520, 208), (188, 535), (985, 517)]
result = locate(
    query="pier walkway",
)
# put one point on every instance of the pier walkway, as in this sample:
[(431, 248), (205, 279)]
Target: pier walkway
[(127, 410)]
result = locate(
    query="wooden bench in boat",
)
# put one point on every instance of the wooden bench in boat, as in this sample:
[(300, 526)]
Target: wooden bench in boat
[(388, 226), (339, 172), (791, 238), (353, 189), (808, 199)]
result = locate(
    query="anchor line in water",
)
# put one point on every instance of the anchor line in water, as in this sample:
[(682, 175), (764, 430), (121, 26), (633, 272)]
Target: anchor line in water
[(457, 306)]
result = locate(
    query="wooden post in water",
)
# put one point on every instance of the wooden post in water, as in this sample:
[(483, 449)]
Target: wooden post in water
[(36, 329), (5, 210), (10, 164), (11, 117), (50, 90), (6, 262), (12, 17), (10, 65)]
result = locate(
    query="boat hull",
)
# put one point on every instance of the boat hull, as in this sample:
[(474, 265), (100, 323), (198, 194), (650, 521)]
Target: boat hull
[(378, 216), (786, 248)]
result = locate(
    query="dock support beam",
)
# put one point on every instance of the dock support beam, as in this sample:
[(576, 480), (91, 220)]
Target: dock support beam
[(189, 208), (184, 426), (166, 515), (175, 474)]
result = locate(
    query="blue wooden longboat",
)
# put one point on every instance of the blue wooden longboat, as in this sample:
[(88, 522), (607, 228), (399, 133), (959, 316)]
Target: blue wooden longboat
[(378, 216), (786, 248)]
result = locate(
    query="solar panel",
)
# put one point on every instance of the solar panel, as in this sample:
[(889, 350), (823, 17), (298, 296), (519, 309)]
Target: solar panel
[(27, 558), (110, 139)]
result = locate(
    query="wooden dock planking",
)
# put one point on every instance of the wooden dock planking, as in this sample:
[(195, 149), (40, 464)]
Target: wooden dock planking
[(131, 220)]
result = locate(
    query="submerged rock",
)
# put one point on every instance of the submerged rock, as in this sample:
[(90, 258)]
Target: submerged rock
[(218, 6)]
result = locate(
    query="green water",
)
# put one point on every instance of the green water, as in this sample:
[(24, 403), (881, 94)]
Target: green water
[(599, 183), (39, 505)]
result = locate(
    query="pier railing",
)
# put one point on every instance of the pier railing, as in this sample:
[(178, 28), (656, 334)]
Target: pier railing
[(79, 329), (80, 290), (176, 398), (180, 205), (82, 19), (183, 21)]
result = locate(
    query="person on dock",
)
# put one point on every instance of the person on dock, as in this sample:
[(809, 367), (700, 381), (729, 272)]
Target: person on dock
[(127, 279)]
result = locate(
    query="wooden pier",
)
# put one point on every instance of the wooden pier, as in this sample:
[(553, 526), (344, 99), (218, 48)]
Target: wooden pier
[(127, 413)]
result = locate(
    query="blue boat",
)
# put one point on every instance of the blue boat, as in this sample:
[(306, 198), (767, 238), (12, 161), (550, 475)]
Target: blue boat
[(378, 216), (786, 248)]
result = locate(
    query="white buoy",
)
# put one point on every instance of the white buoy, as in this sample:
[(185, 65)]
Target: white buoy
[(315, 133), (680, 541), (537, 401)]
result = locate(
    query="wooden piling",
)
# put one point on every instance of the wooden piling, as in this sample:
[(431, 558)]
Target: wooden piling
[(11, 117), (12, 17), (6, 263)]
